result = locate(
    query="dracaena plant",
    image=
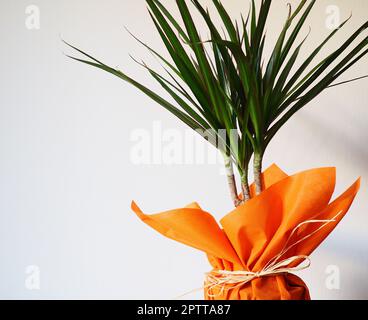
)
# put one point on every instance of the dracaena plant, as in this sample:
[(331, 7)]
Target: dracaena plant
[(226, 82)]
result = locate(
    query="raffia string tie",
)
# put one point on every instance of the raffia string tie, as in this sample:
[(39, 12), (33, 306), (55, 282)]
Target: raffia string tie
[(227, 280)]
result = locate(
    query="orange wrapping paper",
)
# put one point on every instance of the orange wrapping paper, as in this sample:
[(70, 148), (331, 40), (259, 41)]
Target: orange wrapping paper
[(254, 233)]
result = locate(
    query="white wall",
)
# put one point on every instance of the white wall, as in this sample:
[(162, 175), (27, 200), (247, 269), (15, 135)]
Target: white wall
[(66, 179)]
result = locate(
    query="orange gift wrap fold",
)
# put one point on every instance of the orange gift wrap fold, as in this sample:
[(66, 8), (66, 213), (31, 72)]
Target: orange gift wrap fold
[(261, 242)]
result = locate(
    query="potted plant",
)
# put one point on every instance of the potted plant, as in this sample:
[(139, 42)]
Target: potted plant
[(225, 84)]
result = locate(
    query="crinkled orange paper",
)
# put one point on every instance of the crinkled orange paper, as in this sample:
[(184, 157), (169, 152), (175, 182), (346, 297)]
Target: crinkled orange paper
[(255, 232)]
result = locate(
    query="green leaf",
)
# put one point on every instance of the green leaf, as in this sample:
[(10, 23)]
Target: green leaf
[(308, 61)]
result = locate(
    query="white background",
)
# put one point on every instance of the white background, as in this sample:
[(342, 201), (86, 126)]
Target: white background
[(66, 178)]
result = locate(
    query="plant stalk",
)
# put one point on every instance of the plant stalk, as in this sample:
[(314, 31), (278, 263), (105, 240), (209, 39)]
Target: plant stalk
[(232, 182), (257, 166), (245, 186)]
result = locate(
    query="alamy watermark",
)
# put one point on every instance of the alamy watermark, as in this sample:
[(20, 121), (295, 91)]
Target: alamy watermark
[(159, 146), (33, 278), (333, 278), (333, 20), (33, 17)]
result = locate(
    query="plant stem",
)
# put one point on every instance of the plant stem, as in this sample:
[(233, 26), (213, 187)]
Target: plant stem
[(245, 186), (257, 166), (231, 181)]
